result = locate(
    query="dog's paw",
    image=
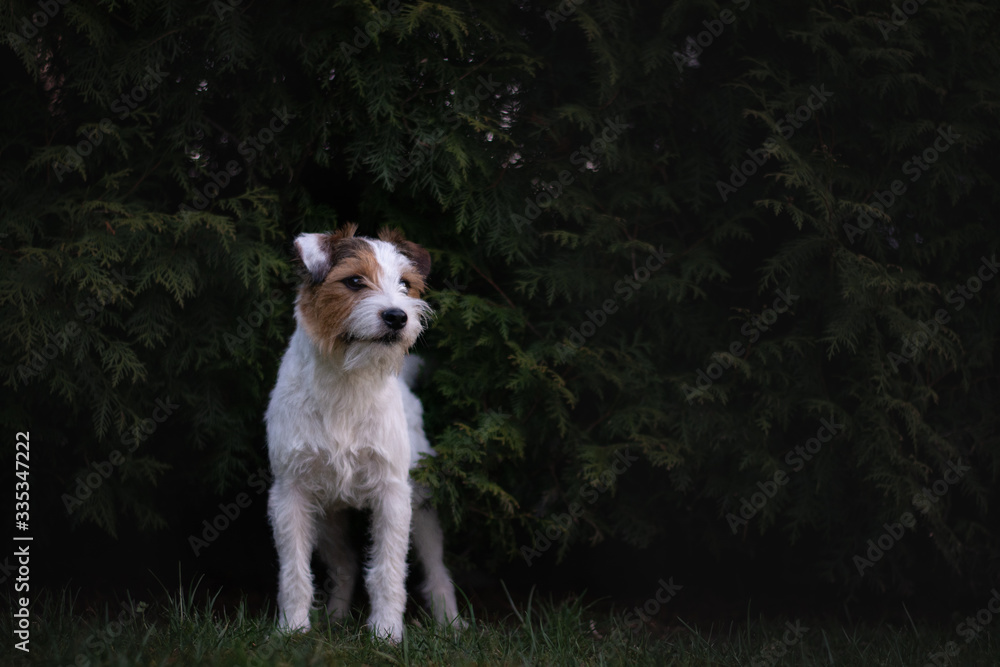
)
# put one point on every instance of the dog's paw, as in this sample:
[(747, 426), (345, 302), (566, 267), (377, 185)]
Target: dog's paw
[(386, 629), (293, 624), (458, 623), (453, 620), (338, 610)]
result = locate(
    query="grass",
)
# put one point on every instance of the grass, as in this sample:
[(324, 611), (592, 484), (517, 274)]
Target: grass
[(189, 628)]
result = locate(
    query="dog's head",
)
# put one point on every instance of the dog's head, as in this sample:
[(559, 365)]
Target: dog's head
[(360, 297)]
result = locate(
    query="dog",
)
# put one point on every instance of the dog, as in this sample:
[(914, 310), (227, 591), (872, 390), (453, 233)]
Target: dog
[(344, 429)]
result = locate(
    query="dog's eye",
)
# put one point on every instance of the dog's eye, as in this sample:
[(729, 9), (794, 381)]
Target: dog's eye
[(405, 283), (353, 283)]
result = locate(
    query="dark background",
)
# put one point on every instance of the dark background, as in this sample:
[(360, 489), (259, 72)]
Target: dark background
[(401, 130)]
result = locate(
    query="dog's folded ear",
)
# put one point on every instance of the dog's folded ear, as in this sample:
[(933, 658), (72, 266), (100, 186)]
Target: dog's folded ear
[(417, 254), (319, 252), (312, 251)]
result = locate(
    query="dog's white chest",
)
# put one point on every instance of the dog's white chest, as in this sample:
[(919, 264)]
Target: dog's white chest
[(341, 441), (353, 461)]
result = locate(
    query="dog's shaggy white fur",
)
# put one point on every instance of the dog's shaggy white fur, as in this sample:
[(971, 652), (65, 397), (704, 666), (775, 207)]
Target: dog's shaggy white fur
[(344, 428)]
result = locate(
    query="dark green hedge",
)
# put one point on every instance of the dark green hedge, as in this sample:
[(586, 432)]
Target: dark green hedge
[(724, 267)]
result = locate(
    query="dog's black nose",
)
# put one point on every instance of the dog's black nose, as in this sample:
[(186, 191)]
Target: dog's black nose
[(395, 318)]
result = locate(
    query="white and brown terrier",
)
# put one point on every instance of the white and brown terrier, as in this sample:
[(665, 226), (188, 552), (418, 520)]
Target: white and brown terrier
[(344, 428)]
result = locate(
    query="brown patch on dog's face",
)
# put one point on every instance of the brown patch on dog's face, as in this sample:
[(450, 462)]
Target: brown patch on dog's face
[(325, 306), (416, 283), (418, 256)]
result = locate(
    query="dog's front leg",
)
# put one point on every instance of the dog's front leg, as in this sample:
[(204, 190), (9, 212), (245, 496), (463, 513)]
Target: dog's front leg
[(294, 522), (385, 577)]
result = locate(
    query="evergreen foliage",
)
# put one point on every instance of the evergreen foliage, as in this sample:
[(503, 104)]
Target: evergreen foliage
[(599, 256)]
